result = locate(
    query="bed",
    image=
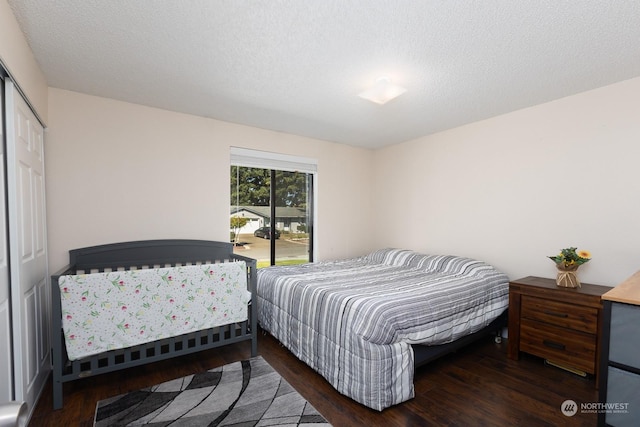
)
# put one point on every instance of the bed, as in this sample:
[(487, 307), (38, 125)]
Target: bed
[(364, 324), (122, 305)]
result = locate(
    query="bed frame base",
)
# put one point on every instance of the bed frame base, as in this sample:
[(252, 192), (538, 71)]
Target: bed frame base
[(424, 354)]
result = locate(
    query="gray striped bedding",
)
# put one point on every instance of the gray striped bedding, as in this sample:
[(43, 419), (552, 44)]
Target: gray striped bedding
[(353, 321)]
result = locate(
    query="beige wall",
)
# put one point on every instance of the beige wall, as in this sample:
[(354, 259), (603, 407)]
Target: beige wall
[(118, 172), (16, 55), (515, 188)]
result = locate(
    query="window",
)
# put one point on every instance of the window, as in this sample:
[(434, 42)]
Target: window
[(272, 207)]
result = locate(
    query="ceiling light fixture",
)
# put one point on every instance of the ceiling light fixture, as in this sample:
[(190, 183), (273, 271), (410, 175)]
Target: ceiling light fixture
[(383, 91)]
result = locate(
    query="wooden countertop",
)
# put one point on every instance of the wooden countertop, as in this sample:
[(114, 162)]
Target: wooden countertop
[(627, 291)]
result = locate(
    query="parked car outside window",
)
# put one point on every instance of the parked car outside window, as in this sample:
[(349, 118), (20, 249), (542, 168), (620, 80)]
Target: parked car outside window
[(265, 233)]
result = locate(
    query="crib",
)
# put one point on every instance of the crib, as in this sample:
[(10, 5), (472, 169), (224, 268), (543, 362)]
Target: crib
[(138, 258)]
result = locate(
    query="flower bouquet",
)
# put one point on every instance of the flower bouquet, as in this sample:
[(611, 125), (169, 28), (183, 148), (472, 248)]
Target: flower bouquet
[(567, 263)]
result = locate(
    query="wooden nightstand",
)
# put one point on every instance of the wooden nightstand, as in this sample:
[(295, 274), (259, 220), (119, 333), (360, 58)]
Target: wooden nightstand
[(561, 325)]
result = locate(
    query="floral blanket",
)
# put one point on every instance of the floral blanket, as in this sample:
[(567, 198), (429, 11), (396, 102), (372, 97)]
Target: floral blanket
[(108, 311)]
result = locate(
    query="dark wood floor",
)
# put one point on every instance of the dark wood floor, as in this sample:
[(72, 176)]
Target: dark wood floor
[(474, 387)]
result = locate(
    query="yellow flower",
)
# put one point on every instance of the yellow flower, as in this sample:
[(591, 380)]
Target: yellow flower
[(571, 257), (584, 254)]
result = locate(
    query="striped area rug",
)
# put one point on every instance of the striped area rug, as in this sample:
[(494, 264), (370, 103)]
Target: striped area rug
[(246, 393)]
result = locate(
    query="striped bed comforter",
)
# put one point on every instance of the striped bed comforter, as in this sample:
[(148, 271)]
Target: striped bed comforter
[(353, 321)]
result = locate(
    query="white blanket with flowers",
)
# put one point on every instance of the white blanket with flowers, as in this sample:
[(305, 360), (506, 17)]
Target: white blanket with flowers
[(119, 309)]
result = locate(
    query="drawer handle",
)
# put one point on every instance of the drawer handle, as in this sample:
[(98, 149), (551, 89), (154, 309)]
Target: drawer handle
[(555, 313), (553, 344)]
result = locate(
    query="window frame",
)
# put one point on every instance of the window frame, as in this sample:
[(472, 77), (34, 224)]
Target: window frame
[(244, 157)]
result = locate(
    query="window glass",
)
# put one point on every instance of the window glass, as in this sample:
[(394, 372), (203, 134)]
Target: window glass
[(271, 215)]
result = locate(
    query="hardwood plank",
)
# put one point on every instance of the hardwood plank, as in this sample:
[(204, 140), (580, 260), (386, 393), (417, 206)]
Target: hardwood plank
[(478, 385)]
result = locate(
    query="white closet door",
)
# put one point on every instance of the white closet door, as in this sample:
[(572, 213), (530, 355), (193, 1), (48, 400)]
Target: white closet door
[(30, 299), (6, 366)]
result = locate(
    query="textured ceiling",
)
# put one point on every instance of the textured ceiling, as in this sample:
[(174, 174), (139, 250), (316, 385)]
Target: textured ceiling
[(297, 66)]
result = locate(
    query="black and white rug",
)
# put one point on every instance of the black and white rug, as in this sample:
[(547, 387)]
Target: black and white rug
[(246, 393)]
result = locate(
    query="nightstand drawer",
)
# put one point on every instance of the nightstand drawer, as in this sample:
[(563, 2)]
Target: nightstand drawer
[(576, 317), (574, 349)]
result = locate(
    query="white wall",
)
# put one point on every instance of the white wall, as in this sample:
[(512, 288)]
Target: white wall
[(16, 55), (513, 189), (118, 172)]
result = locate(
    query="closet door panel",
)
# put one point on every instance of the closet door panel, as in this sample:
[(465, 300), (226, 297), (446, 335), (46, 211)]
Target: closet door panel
[(30, 331), (6, 367), (27, 244), (39, 240), (6, 364), (25, 212)]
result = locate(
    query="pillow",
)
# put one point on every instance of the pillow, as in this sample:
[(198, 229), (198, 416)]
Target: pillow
[(390, 256), (458, 265), (446, 264)]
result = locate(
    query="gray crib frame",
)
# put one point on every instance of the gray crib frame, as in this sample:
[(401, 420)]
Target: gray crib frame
[(146, 254)]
